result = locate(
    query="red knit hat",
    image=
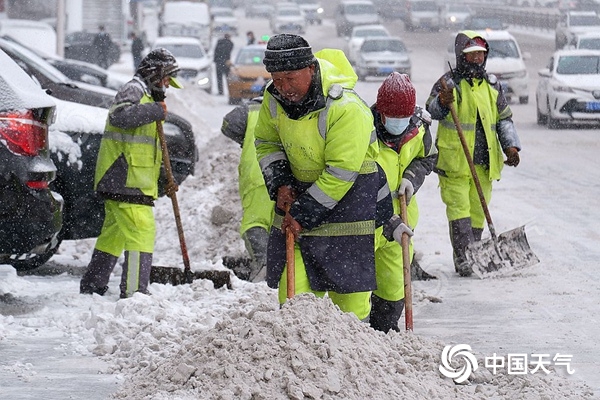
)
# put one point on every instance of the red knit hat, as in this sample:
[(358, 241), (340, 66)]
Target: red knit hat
[(396, 97)]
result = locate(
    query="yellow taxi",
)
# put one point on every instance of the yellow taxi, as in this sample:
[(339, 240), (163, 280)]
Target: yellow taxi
[(247, 74)]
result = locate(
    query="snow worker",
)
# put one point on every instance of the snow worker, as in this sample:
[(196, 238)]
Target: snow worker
[(486, 121), (407, 154), (317, 150), (127, 173), (257, 206)]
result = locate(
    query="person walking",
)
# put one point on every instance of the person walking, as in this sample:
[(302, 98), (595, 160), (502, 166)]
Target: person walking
[(317, 152), (222, 56), (407, 154), (137, 47), (102, 43), (486, 122), (127, 173), (250, 39), (257, 206)]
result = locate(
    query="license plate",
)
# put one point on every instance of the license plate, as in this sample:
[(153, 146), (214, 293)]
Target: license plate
[(592, 106), (386, 70)]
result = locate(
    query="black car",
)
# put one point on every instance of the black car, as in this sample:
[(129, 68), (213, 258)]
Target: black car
[(80, 46), (84, 210), (30, 213)]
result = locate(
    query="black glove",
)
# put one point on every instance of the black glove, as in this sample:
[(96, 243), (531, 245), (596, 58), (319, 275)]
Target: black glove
[(159, 94)]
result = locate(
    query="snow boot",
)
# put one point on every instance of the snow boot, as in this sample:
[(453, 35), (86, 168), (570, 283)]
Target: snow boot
[(385, 314), (136, 273), (477, 233), (96, 277), (461, 235), (417, 273), (256, 239)]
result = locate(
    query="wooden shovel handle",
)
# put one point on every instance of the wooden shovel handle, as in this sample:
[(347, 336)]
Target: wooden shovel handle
[(290, 260), (173, 196), (408, 309), (465, 147)]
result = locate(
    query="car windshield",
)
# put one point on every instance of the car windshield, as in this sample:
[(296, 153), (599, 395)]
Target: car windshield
[(358, 9), (370, 32), (185, 50), (591, 44), (585, 20), (503, 49), (578, 65), (423, 6), (289, 12), (223, 13), (484, 23), (383, 45), (250, 56)]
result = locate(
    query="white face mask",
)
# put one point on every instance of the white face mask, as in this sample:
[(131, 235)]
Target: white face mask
[(396, 126)]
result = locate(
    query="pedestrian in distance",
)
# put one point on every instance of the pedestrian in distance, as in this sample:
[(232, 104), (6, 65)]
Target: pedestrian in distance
[(250, 38), (127, 174), (102, 43), (407, 154), (317, 151), (257, 206), (222, 59), (137, 47), (486, 122)]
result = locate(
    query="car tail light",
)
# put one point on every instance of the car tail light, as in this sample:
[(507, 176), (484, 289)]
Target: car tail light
[(22, 134)]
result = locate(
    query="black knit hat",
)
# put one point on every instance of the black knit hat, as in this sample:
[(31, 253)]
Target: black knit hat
[(287, 52)]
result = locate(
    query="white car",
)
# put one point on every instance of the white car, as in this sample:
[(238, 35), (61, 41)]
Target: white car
[(312, 10), (588, 40), (573, 23), (288, 19), (358, 35), (224, 21), (382, 55), (195, 65), (505, 61), (569, 88), (454, 15)]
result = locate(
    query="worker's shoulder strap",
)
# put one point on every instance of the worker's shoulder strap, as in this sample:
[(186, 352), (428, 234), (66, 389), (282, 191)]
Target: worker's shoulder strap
[(336, 91)]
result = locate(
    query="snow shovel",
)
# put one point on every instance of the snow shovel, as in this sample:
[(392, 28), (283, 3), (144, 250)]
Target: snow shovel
[(408, 310), (174, 275), (507, 252), (290, 260)]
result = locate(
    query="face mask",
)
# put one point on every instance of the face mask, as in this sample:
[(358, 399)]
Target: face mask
[(395, 126)]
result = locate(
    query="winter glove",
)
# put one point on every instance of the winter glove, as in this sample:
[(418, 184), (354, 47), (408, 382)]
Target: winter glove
[(171, 188), (290, 223), (446, 97), (394, 228), (285, 197), (512, 156), (407, 189)]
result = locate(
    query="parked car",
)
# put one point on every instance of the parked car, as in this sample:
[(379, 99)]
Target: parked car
[(380, 56), (30, 212), (288, 19), (74, 178), (572, 23), (350, 13), (422, 14), (80, 46), (358, 35), (224, 21), (247, 74), (312, 10), (505, 60), (568, 90), (588, 40), (195, 65), (390, 9), (454, 15)]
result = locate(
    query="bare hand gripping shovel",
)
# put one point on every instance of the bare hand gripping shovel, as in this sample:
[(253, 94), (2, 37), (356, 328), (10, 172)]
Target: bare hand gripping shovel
[(501, 254)]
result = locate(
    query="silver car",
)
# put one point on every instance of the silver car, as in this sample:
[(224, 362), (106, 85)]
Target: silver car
[(380, 56)]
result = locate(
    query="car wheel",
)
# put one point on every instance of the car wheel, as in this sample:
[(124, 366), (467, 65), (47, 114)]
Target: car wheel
[(553, 123), (524, 99), (37, 260), (541, 118)]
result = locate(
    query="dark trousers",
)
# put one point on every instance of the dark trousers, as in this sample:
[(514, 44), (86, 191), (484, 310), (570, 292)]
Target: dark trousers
[(222, 72)]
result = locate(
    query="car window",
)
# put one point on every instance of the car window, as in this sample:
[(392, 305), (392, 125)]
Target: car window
[(370, 32), (383, 45), (289, 12), (503, 49), (358, 9), (250, 56), (585, 20), (42, 66), (591, 44), (578, 65), (185, 50)]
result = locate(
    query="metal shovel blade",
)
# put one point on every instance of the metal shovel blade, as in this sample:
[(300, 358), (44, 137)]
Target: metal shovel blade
[(511, 252)]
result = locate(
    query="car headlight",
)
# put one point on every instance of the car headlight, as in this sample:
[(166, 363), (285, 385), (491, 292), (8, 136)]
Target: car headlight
[(320, 10)]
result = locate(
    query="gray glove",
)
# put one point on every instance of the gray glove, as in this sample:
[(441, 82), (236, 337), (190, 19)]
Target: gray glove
[(407, 189), (400, 230), (394, 228)]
